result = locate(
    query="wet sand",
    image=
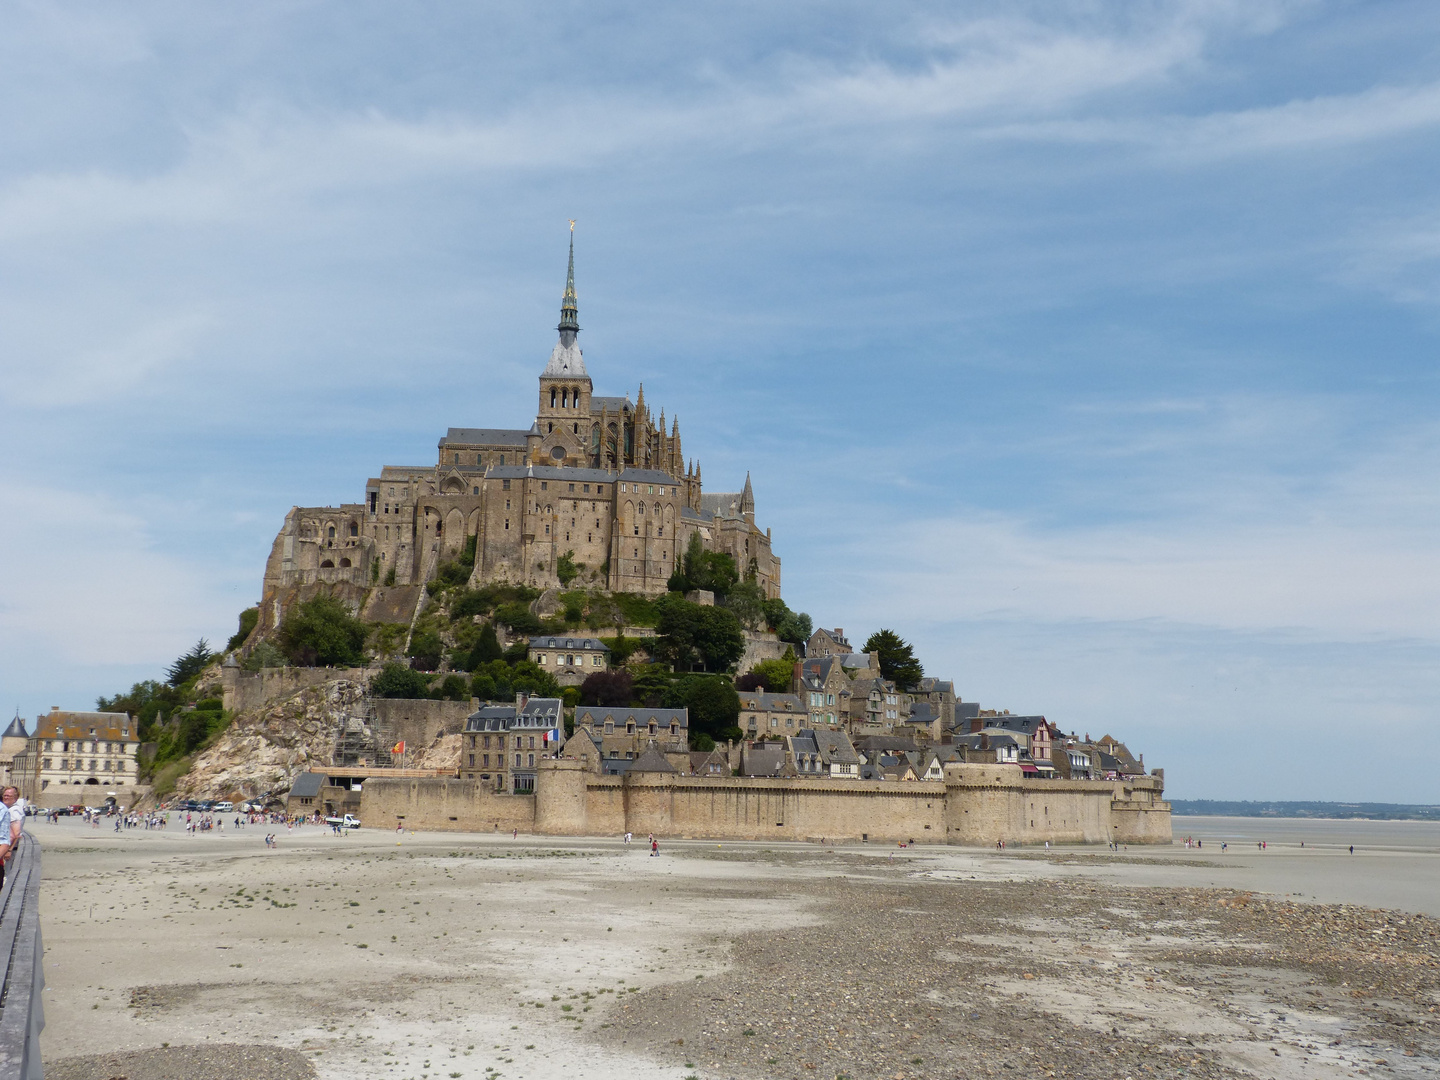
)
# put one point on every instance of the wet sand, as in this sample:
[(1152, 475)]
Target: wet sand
[(479, 956)]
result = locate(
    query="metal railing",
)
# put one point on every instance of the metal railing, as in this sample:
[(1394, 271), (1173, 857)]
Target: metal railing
[(21, 1014)]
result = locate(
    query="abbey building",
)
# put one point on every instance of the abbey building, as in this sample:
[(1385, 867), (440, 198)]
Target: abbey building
[(598, 479)]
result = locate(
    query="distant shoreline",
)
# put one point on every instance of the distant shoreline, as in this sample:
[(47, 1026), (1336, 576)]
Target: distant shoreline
[(1307, 811)]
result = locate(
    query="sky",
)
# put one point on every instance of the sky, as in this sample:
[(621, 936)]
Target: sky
[(1090, 346)]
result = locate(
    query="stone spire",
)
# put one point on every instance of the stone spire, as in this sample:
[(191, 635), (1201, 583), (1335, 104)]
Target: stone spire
[(566, 359), (747, 501), (569, 306)]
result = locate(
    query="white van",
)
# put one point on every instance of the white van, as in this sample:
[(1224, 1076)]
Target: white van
[(224, 807)]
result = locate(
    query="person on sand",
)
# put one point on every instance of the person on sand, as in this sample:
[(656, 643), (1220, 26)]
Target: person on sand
[(1352, 849), (654, 846)]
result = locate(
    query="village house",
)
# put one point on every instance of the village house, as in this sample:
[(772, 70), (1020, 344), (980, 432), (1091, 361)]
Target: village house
[(570, 659), (501, 743), (94, 750), (624, 733), (822, 752), (1032, 733), (824, 690), (770, 714), (825, 643), (940, 694), (877, 706)]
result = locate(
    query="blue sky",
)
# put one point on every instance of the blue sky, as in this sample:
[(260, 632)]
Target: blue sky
[(1090, 346)]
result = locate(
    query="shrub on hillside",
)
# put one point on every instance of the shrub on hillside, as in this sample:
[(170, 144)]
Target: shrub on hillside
[(399, 681), (322, 633)]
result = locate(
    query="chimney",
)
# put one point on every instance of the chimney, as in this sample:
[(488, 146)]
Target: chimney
[(840, 633), (522, 698), (54, 708)]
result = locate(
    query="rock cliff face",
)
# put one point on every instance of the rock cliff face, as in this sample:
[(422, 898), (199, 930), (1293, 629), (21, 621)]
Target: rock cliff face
[(264, 749)]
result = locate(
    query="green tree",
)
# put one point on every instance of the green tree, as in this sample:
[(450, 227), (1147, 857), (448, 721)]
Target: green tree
[(248, 619), (777, 675), (747, 600), (788, 625), (691, 634), (650, 684), (190, 664), (452, 688), (426, 648), (322, 633), (713, 704), (518, 617), (486, 648), (399, 681), (897, 658), (262, 656), (565, 568)]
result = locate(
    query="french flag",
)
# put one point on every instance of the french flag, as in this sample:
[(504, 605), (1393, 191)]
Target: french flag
[(553, 735)]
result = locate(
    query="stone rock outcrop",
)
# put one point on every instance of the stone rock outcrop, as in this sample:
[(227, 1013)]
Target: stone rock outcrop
[(443, 753), (264, 749)]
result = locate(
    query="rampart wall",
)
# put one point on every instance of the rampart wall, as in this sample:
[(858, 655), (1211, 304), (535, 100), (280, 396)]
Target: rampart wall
[(255, 689), (976, 805), (443, 805)]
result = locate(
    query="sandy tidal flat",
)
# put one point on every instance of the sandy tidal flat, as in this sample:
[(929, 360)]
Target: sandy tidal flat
[(481, 956)]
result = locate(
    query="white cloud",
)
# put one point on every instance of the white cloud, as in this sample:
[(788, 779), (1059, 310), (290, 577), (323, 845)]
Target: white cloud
[(88, 586)]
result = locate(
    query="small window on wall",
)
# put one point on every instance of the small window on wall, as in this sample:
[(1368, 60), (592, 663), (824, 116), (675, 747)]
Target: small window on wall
[(504, 484)]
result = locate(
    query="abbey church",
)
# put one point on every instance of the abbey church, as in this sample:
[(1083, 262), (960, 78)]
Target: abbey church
[(598, 479)]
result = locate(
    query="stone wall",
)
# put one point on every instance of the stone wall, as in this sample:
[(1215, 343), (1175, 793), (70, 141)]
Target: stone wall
[(976, 805), (243, 690), (444, 805), (420, 721)]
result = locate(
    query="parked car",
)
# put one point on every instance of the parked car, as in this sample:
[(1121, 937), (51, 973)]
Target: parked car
[(224, 806)]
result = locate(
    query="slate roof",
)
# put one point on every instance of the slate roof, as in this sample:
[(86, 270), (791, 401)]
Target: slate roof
[(80, 725), (568, 643), (474, 436), (853, 660), (652, 761), (539, 714), (722, 503), (880, 743), (834, 747), (598, 714), (764, 762), (614, 404), (760, 701), (967, 710), (16, 730), (1025, 725), (307, 785), (930, 685)]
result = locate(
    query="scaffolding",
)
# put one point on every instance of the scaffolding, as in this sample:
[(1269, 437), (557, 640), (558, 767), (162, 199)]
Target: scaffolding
[(363, 739)]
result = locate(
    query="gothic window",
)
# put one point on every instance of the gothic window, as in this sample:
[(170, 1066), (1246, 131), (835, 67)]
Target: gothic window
[(549, 428), (564, 398), (479, 459), (502, 462), (640, 509), (354, 529), (331, 533), (547, 530), (552, 397)]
